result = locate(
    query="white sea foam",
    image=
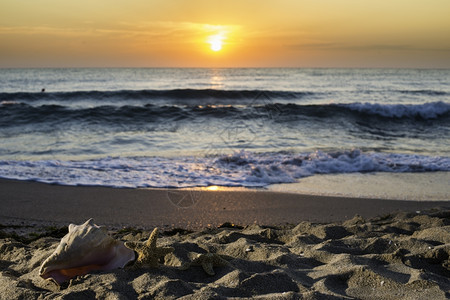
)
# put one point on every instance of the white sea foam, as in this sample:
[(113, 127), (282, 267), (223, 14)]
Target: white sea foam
[(239, 169), (430, 110)]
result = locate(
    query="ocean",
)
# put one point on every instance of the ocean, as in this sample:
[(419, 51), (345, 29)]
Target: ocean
[(253, 128)]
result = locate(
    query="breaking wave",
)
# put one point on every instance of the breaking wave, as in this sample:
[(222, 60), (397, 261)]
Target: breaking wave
[(242, 168)]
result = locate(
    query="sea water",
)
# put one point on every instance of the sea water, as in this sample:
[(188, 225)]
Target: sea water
[(176, 128)]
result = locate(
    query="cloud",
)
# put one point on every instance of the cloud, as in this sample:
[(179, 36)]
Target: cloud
[(155, 31), (314, 45), (362, 48)]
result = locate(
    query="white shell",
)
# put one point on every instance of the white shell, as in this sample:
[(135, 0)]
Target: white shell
[(85, 248)]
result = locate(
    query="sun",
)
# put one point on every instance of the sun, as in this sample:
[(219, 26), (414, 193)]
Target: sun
[(216, 41), (216, 45), (219, 37)]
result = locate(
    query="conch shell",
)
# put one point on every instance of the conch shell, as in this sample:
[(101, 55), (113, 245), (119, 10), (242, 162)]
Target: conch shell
[(85, 248)]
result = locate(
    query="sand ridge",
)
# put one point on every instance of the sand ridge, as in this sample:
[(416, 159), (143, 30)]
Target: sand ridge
[(395, 256)]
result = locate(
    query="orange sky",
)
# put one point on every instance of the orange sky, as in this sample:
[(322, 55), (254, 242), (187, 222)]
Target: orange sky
[(264, 33)]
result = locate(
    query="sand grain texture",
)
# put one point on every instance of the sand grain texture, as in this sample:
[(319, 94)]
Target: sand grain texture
[(396, 256)]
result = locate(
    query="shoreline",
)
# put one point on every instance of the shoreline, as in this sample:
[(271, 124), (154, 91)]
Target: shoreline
[(41, 203)]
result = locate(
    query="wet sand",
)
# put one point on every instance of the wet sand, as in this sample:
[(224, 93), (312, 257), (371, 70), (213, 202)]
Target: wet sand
[(148, 208)]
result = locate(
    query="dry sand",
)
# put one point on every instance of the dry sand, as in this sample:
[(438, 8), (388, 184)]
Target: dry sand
[(323, 253)]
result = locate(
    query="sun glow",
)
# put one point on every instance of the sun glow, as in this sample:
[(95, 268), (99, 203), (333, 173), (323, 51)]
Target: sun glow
[(216, 41), (216, 45), (212, 188), (217, 34)]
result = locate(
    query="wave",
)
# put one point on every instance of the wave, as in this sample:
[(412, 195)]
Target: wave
[(426, 111), (424, 92), (13, 113), (430, 110), (181, 94), (242, 168), (27, 114), (174, 94)]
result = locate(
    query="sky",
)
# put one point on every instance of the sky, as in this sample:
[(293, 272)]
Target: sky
[(232, 33)]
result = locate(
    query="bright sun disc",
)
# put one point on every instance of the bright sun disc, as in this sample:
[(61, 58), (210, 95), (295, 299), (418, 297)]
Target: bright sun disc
[(216, 41), (216, 45)]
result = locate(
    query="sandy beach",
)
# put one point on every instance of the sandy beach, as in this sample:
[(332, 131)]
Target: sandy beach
[(276, 245), (190, 209)]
